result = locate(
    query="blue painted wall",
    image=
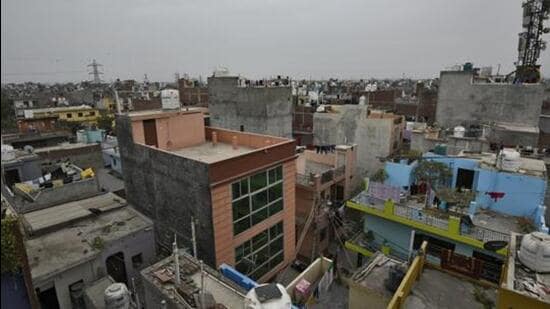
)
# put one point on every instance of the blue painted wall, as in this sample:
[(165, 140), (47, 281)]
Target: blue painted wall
[(523, 194), (397, 237), (399, 174)]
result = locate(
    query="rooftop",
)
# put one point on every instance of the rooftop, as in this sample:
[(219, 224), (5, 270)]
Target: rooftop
[(63, 146), (209, 153), (523, 280), (66, 233), (375, 272), (436, 289), (162, 276), (60, 109)]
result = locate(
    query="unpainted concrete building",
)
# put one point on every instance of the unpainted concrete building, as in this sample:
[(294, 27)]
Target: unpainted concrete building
[(237, 187), (323, 179), (242, 106), (377, 134), (512, 110), (72, 245)]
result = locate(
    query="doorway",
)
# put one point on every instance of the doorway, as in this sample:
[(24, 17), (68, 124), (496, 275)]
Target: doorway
[(150, 132), (116, 268), (464, 179), (48, 298), (12, 177)]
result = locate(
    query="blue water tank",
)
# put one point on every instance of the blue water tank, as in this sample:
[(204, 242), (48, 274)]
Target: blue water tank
[(237, 277)]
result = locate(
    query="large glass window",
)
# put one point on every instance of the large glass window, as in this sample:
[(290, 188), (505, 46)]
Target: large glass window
[(257, 256), (256, 198)]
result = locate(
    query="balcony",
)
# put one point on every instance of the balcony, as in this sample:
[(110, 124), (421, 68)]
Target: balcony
[(429, 220), (315, 180)]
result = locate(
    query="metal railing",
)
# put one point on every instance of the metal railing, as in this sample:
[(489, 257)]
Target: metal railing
[(484, 234), (476, 232), (420, 216)]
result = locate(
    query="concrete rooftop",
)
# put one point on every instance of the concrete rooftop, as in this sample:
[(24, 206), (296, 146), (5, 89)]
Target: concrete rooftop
[(208, 153), (373, 274), (316, 168), (528, 166), (68, 234), (439, 290), (161, 275)]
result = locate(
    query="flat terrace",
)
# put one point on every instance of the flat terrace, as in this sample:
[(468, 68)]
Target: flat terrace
[(162, 277), (438, 290), (67, 232), (374, 273), (209, 153)]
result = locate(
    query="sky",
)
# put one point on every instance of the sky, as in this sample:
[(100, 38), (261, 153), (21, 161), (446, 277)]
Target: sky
[(54, 40)]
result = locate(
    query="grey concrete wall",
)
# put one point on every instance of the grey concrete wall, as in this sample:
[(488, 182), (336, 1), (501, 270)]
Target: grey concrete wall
[(85, 157), (90, 271), (460, 102), (169, 189), (27, 169), (263, 110), (69, 192), (351, 125)]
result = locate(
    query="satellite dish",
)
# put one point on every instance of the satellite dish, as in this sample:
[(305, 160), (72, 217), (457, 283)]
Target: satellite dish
[(495, 245)]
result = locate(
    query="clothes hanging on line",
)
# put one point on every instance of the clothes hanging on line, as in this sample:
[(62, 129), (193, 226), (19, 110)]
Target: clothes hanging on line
[(324, 149)]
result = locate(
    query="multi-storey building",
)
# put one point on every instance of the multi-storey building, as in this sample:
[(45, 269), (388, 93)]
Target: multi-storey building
[(238, 188), (470, 216)]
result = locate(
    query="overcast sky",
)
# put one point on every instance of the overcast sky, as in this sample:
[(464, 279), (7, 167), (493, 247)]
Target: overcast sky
[(53, 40)]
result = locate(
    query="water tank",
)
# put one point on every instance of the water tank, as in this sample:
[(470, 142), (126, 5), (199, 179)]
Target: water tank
[(117, 296), (170, 99), (268, 296), (8, 153), (81, 137), (459, 131), (221, 72), (534, 252), (468, 66), (510, 160)]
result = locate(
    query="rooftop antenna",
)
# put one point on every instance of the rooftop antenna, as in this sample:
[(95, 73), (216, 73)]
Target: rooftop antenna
[(176, 259), (95, 71)]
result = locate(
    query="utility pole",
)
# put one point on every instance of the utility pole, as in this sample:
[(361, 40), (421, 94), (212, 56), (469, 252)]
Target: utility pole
[(95, 71), (193, 237), (176, 259)]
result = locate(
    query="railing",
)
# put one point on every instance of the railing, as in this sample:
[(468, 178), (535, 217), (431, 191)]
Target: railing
[(305, 180), (327, 176), (484, 234), (419, 215)]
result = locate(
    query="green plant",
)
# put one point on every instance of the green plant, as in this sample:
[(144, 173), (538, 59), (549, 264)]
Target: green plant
[(380, 176), (98, 243), (460, 199), (432, 172), (10, 255), (411, 155), (105, 121)]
